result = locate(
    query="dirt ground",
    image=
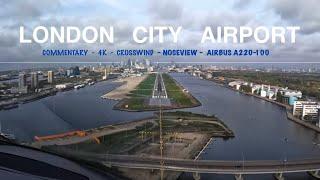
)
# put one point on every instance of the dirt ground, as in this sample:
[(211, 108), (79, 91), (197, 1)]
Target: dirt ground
[(130, 83), (102, 131), (182, 145)]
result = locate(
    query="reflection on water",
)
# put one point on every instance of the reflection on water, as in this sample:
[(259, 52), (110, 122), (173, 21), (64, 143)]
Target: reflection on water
[(70, 110), (260, 127)]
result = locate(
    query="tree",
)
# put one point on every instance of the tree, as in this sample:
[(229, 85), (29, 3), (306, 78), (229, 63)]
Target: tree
[(246, 88), (279, 96)]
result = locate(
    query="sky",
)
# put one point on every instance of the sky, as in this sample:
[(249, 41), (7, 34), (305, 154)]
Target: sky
[(192, 15)]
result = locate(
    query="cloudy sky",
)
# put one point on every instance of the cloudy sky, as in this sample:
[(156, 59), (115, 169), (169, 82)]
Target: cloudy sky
[(192, 15)]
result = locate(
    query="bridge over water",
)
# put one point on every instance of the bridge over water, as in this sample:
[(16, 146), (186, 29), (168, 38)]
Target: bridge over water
[(237, 168)]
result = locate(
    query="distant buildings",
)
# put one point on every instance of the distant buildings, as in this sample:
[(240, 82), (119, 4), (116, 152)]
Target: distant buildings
[(69, 72), (73, 71), (106, 72), (50, 76), (64, 86), (287, 96), (130, 63), (288, 92), (22, 80), (23, 86), (147, 62), (306, 110), (287, 99), (76, 71), (237, 84), (34, 80), (208, 75)]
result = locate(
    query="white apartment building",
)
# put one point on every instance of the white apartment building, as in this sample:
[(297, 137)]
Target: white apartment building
[(64, 86), (288, 92), (307, 110)]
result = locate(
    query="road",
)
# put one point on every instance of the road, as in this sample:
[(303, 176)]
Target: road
[(207, 166)]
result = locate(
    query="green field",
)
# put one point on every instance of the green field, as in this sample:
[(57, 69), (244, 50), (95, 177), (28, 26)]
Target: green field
[(140, 137), (175, 92), (145, 88), (139, 98)]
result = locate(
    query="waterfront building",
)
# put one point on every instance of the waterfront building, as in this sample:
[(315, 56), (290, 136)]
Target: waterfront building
[(34, 80), (288, 92), (16, 90), (270, 94), (306, 110), (50, 76), (263, 93), (22, 80), (284, 99), (255, 88), (292, 99), (105, 74), (288, 99), (64, 86)]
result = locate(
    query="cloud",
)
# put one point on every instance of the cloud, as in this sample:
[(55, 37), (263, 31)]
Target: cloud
[(166, 9), (300, 12), (193, 17), (26, 9), (239, 4)]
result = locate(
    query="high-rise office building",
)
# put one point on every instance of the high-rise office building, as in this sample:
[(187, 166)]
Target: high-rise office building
[(130, 63), (50, 76), (22, 80), (76, 71), (34, 80), (147, 62)]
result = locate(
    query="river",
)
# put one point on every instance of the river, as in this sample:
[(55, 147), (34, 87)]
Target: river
[(260, 127), (69, 110)]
